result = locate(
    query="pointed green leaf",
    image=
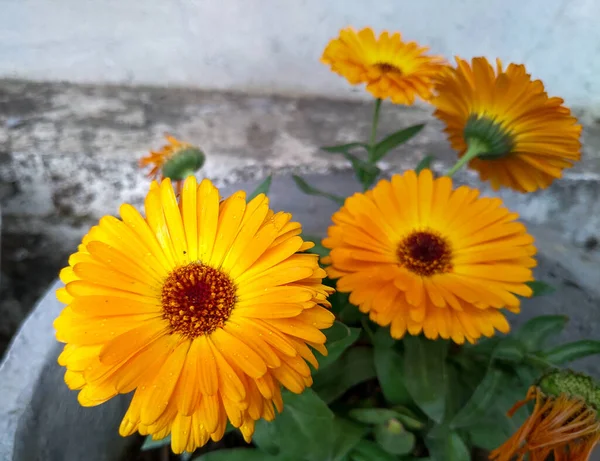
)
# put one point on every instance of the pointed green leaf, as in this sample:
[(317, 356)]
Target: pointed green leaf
[(303, 427), (150, 444), (479, 403), (310, 190), (366, 450), (339, 338), (509, 350), (394, 439), (383, 338), (343, 148), (425, 374), (343, 438), (265, 437), (449, 447), (366, 173), (390, 373), (540, 288), (534, 333), (566, 353), (394, 140), (424, 163), (350, 314), (488, 435), (353, 367), (263, 188)]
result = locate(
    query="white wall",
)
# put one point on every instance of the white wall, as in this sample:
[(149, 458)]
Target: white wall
[(275, 45)]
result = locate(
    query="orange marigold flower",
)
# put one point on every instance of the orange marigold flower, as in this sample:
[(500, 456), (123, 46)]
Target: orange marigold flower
[(204, 307), (564, 422), (176, 160), (522, 138), (390, 67), (419, 256)]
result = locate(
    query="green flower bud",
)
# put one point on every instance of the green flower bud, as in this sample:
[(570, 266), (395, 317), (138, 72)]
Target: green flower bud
[(183, 163), (557, 382)]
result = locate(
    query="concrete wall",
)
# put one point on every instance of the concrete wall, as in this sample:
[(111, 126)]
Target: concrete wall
[(274, 45)]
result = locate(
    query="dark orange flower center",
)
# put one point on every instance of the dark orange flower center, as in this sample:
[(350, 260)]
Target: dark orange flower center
[(425, 253), (197, 299), (386, 67)]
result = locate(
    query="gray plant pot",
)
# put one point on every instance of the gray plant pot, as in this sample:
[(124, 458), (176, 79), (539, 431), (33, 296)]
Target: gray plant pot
[(40, 418)]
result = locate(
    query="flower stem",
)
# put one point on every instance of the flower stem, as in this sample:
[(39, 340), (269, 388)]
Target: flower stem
[(475, 148), (374, 129)]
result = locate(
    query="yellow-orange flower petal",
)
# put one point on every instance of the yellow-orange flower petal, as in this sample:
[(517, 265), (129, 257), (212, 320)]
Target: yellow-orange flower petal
[(392, 69), (203, 307), (532, 137), (424, 258)]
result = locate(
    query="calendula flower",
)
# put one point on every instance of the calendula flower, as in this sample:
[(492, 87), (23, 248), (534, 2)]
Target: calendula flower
[(203, 307), (564, 422), (390, 67), (176, 160), (419, 256), (505, 125)]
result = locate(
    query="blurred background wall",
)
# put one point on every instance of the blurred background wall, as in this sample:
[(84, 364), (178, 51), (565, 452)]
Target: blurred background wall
[(273, 46)]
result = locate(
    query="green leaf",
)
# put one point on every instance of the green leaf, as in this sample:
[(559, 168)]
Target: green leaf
[(449, 447), (383, 338), (307, 430), (534, 333), (566, 353), (372, 415), (263, 188), (343, 148), (353, 367), (150, 444), (394, 439), (310, 190), (409, 418), (509, 350), (241, 454), (350, 314), (339, 338), (488, 436), (303, 427), (424, 163), (366, 172), (265, 437), (425, 374), (343, 438), (540, 288), (390, 373), (394, 140), (478, 405), (366, 450)]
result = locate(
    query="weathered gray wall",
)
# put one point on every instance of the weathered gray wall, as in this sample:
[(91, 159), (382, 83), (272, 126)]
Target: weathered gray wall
[(263, 46)]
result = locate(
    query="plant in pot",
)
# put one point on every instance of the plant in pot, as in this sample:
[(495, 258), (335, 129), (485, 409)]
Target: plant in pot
[(242, 338)]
